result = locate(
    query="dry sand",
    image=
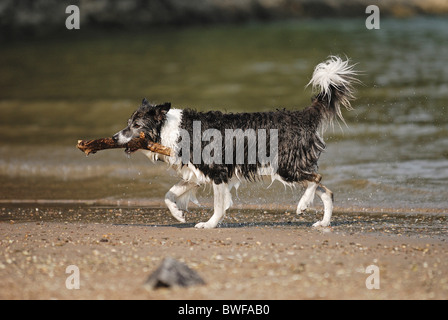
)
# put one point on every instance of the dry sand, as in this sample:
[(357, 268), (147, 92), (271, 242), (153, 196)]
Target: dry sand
[(275, 255)]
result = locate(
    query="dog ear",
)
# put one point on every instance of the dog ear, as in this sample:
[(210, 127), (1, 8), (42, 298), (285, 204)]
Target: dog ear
[(165, 107), (145, 102), (162, 110)]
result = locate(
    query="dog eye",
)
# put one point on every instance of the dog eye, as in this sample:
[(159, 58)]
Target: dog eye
[(137, 126)]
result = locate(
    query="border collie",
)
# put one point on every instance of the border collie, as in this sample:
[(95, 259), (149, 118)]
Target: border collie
[(200, 142)]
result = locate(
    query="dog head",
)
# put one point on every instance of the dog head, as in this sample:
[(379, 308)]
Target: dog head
[(148, 119)]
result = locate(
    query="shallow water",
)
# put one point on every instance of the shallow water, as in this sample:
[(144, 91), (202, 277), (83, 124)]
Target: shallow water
[(419, 225), (393, 154)]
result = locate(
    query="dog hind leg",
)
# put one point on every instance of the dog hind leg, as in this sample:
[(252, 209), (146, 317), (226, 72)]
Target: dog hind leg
[(327, 198), (177, 198), (222, 201), (311, 183), (307, 197)]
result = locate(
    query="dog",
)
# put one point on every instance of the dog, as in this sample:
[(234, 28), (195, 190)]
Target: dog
[(294, 140)]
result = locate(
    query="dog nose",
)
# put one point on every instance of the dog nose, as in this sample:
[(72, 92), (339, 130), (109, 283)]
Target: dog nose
[(115, 137)]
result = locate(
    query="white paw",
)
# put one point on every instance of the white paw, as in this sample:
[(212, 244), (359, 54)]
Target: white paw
[(179, 215), (321, 224), (204, 225), (301, 208), (304, 203)]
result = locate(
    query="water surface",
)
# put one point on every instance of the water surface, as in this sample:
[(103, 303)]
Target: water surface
[(394, 154)]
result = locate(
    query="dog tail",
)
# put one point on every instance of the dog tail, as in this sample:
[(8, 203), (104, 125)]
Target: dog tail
[(332, 83)]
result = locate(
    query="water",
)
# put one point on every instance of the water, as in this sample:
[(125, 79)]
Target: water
[(392, 156)]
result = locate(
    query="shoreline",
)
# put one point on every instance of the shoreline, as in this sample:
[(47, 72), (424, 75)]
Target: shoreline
[(160, 204)]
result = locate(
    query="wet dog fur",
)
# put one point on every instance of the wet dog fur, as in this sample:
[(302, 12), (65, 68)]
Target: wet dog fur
[(298, 150)]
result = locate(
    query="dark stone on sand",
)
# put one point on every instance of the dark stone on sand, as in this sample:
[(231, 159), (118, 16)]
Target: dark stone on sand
[(173, 273)]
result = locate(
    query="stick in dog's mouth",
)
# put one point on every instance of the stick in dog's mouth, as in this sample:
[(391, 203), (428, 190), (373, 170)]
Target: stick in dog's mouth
[(92, 146)]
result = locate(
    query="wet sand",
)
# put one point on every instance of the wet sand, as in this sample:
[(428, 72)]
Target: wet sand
[(252, 255)]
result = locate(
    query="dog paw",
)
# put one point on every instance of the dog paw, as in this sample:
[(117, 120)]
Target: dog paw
[(179, 215), (321, 224), (204, 225), (302, 207)]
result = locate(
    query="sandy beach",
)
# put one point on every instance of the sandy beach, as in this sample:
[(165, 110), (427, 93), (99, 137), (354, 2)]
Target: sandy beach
[(252, 255)]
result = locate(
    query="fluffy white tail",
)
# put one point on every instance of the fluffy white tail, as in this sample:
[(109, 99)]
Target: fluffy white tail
[(332, 83)]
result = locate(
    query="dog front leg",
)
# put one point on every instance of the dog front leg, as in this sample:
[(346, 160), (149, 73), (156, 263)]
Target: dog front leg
[(175, 204), (222, 201)]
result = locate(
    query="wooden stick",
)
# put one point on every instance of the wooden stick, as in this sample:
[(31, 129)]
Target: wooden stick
[(92, 146)]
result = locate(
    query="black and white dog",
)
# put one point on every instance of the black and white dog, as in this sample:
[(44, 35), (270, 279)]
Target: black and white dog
[(203, 144)]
